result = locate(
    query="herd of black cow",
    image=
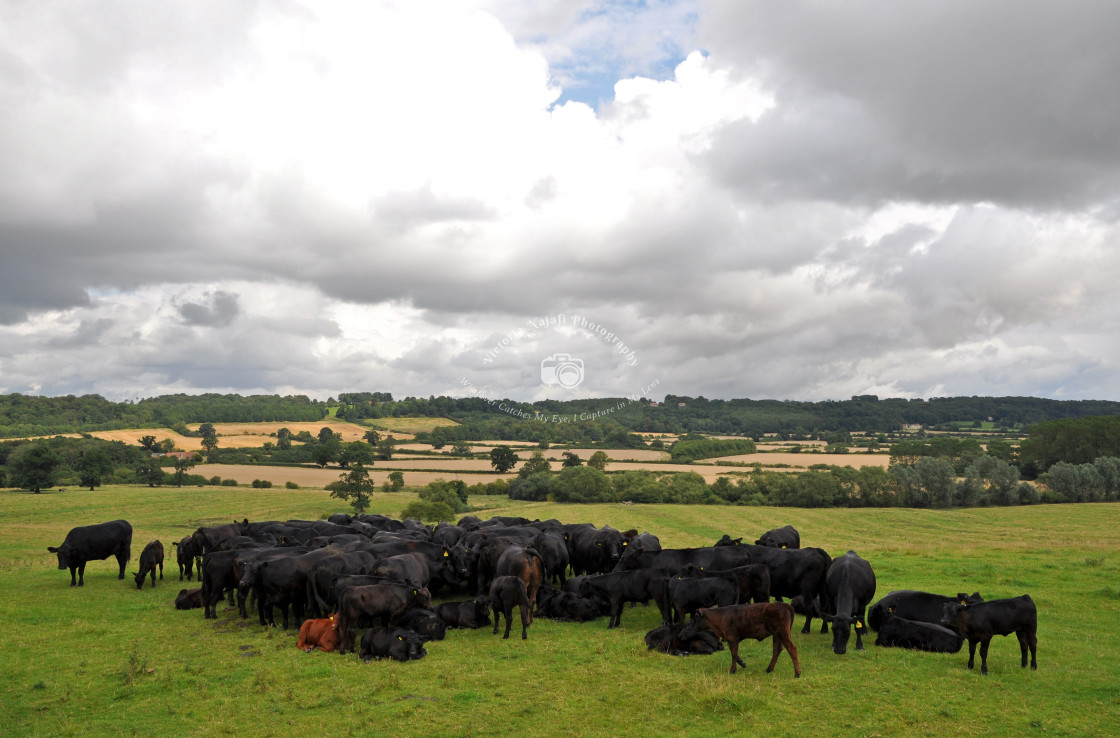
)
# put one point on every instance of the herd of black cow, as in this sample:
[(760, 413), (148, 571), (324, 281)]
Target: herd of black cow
[(378, 574)]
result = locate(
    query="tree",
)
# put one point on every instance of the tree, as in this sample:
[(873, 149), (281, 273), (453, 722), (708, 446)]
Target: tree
[(325, 434), (581, 484), (598, 460), (385, 448), (437, 438), (165, 446), (502, 458), (209, 437), (396, 481), (461, 449), (535, 464), (150, 472), (356, 452), (93, 466), (148, 443), (453, 494), (183, 464), (284, 439), (371, 437), (354, 485), (32, 466), (570, 459), (325, 453)]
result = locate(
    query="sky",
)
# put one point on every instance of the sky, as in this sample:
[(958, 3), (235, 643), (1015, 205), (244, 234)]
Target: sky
[(535, 199)]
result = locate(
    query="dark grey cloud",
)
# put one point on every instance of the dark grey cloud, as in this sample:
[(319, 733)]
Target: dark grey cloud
[(937, 101), (219, 308)]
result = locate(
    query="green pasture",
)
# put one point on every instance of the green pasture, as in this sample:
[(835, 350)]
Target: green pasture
[(110, 660)]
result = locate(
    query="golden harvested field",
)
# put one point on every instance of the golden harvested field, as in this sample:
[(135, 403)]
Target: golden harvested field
[(805, 460), (131, 436), (309, 477), (348, 431), (615, 454)]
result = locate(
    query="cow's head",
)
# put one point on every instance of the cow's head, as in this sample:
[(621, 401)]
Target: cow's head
[(64, 553), (842, 631), (139, 578), (955, 614), (421, 597), (250, 575)]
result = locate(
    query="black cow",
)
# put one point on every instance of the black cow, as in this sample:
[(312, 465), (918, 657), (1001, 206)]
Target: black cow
[(726, 540), (386, 600), (793, 572), (150, 558), (426, 623), (621, 587), (566, 607), (683, 639), (399, 644), (525, 564), (979, 622), (469, 614), (94, 543), (188, 599), (784, 537), (911, 604), (688, 595), (753, 579), (672, 560), (594, 551), (280, 580), (184, 556), (507, 592), (554, 552), (851, 586), (325, 571), (902, 633)]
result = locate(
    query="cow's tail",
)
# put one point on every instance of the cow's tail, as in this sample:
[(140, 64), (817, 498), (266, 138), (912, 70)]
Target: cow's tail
[(822, 585)]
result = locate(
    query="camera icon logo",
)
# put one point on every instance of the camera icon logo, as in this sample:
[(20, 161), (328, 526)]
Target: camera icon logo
[(563, 370)]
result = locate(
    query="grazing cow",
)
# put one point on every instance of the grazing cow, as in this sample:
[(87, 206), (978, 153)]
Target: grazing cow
[(386, 600), (784, 537), (758, 621), (925, 607), (399, 644), (425, 623), (188, 599), (321, 633), (150, 558), (851, 586), (979, 622), (621, 587), (753, 579), (918, 635), (689, 595), (507, 592), (184, 556), (683, 639), (94, 543), (469, 614)]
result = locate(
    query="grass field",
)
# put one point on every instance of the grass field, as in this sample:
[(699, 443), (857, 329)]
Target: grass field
[(109, 660)]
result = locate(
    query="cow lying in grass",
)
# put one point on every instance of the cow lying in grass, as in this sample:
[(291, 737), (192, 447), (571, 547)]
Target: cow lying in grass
[(735, 623), (321, 633)]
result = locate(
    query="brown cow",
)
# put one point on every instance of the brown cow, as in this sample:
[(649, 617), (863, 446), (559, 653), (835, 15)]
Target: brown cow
[(321, 634), (525, 564), (759, 621)]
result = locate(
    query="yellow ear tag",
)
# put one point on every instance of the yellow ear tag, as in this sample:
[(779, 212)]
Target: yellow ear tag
[(445, 554), (963, 602), (859, 624), (890, 609), (783, 546), (399, 638)]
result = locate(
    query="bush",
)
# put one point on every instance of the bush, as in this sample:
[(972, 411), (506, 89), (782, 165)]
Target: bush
[(215, 481), (534, 488), (229, 482), (428, 512), (261, 484), (291, 485)]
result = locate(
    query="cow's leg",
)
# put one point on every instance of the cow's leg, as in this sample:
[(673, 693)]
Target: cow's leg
[(984, 655), (122, 559), (525, 615), (73, 576), (971, 652), (509, 621), (616, 613), (497, 619), (81, 574), (733, 647), (861, 628), (1032, 641), (161, 570), (777, 643), (788, 643)]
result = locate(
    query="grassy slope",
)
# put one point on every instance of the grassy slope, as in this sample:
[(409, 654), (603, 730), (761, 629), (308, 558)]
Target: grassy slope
[(109, 659)]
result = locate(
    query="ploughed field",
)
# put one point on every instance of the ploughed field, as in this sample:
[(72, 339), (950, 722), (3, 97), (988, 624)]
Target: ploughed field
[(108, 659)]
